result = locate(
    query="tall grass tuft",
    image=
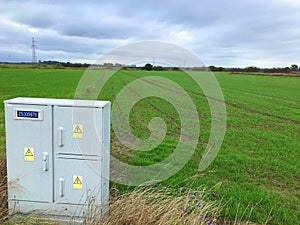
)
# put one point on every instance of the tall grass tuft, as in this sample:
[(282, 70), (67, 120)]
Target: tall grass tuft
[(3, 191), (153, 206)]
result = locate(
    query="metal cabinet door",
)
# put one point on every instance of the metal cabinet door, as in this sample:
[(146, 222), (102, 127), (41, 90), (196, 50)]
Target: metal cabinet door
[(78, 145), (78, 131), (29, 152), (78, 181)]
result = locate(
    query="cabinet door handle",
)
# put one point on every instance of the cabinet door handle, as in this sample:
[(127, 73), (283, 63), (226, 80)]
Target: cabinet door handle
[(61, 185), (60, 137), (45, 161)]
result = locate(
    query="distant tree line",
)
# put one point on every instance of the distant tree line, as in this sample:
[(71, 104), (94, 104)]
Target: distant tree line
[(250, 69), (150, 67), (64, 64), (253, 69)]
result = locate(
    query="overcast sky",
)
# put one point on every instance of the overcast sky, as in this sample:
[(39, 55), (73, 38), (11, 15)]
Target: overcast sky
[(263, 33)]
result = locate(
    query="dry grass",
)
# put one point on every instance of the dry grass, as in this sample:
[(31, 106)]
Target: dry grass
[(3, 191), (150, 206)]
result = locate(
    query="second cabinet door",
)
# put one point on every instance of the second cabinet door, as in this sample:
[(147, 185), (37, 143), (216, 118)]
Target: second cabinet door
[(78, 131)]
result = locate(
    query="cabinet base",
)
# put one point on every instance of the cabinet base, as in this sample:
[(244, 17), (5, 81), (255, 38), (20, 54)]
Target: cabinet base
[(65, 213)]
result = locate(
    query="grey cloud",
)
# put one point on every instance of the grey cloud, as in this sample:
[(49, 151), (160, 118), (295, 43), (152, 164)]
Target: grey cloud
[(222, 32)]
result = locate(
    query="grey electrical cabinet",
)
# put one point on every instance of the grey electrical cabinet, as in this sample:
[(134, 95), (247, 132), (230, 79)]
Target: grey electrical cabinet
[(58, 154)]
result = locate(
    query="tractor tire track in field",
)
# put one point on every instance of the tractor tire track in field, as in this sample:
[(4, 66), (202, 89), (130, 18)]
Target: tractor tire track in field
[(234, 105), (188, 138), (123, 118), (173, 119), (117, 144), (152, 105), (118, 149)]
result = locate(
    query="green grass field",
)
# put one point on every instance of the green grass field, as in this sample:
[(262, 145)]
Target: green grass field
[(256, 173)]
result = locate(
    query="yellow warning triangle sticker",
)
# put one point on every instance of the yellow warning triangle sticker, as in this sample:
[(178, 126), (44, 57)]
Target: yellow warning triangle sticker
[(77, 181), (77, 129), (28, 153)]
